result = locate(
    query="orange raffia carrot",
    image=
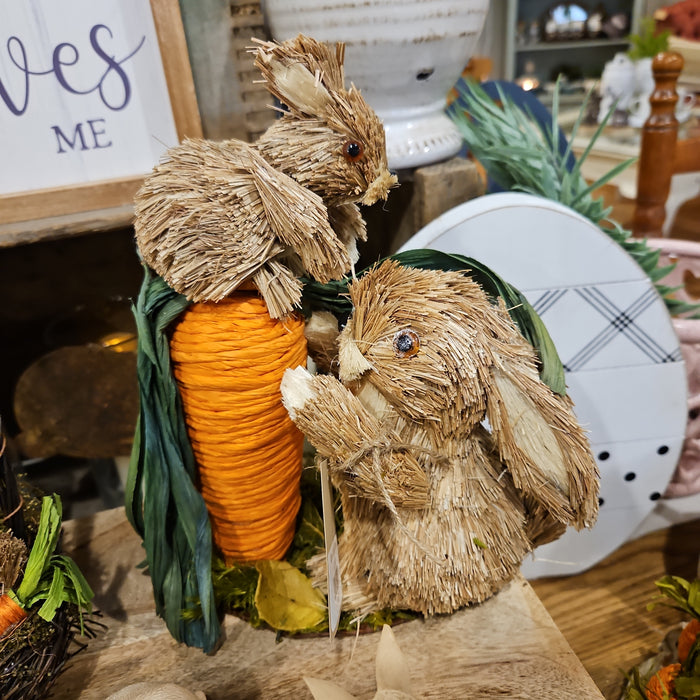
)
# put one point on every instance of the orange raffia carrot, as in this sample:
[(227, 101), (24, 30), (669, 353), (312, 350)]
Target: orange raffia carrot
[(662, 684), (10, 613), (228, 360), (687, 638)]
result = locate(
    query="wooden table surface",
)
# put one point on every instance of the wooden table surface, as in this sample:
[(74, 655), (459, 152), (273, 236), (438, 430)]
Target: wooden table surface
[(508, 647), (602, 612)]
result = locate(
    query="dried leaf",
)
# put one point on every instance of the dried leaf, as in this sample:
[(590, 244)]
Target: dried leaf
[(285, 598)]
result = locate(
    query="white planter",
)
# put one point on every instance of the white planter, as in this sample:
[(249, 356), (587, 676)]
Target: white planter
[(403, 55)]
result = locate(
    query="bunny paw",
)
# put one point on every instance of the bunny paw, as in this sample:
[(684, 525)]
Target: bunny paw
[(297, 389)]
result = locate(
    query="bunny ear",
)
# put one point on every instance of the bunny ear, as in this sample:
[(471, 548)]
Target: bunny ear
[(542, 443), (301, 72), (393, 672)]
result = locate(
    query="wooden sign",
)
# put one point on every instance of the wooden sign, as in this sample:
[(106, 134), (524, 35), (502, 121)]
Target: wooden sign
[(92, 93)]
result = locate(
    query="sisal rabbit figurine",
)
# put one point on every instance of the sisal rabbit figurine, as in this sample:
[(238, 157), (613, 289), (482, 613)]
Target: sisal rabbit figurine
[(217, 215), (423, 360), (217, 461)]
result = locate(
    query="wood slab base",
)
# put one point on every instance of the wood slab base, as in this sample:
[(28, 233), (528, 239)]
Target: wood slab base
[(507, 647)]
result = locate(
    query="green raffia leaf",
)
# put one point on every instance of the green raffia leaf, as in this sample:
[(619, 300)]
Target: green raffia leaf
[(44, 546), (52, 578), (54, 596), (76, 588), (523, 155), (162, 502)]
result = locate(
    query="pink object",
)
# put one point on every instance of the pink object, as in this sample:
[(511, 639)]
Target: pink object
[(682, 18), (686, 275)]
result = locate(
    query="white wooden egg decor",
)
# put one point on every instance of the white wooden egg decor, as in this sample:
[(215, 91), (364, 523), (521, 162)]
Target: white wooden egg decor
[(624, 369)]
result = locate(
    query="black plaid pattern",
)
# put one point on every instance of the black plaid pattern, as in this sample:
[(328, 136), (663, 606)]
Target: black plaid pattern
[(621, 321), (548, 300)]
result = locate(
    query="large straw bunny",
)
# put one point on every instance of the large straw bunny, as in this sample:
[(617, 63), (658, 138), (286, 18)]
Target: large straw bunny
[(438, 509), (217, 215)]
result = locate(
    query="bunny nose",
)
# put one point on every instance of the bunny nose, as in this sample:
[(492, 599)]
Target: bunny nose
[(379, 187), (353, 364)]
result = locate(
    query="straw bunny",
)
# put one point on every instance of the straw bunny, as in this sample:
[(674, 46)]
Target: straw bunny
[(438, 509), (214, 216)]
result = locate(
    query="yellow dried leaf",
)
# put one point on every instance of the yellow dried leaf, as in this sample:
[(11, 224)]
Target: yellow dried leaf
[(285, 598)]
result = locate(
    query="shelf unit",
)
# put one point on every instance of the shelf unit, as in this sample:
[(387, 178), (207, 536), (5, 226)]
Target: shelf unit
[(588, 55)]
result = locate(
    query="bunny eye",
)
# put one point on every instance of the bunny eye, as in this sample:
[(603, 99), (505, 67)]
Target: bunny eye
[(406, 343), (353, 151)]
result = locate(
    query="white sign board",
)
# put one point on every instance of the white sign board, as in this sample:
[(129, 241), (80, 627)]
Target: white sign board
[(83, 93)]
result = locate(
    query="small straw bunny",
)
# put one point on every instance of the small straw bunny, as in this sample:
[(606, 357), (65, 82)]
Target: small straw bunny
[(214, 216), (438, 509)]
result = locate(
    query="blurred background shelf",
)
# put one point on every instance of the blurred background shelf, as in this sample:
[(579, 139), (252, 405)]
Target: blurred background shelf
[(586, 56), (578, 44)]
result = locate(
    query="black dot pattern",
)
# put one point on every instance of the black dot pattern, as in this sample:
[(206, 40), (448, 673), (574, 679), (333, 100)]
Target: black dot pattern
[(621, 321)]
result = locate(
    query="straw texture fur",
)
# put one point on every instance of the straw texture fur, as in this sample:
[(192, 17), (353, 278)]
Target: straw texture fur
[(214, 216), (13, 556), (430, 357)]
